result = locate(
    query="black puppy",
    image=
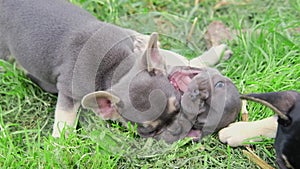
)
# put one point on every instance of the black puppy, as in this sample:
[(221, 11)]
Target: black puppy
[(287, 105)]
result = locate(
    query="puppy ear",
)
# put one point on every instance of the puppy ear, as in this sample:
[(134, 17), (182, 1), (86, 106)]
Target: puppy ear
[(283, 101), (154, 60), (103, 104)]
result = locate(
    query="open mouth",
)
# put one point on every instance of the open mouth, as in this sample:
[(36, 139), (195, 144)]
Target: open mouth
[(180, 78), (195, 134), (202, 90)]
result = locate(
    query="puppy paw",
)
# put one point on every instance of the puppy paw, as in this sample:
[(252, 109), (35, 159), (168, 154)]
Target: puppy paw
[(55, 134), (212, 56), (236, 133), (222, 51), (59, 128), (227, 54)]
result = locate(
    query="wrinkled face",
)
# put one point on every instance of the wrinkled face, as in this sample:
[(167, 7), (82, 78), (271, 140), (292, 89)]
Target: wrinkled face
[(166, 104), (221, 102), (141, 94), (194, 102), (209, 102), (153, 95)]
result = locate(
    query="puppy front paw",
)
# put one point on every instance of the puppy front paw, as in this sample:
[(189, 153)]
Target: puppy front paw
[(235, 134), (227, 54), (61, 127), (222, 51), (55, 134)]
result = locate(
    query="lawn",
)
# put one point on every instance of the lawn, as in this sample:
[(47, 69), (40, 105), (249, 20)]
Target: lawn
[(266, 58)]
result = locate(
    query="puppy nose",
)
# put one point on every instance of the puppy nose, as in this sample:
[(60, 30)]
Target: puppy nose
[(194, 94), (177, 105)]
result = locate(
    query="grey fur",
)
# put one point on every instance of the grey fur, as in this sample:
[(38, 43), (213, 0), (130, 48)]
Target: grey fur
[(210, 103), (68, 51)]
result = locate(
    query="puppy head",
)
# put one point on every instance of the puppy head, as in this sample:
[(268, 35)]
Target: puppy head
[(160, 101), (143, 95), (220, 101), (209, 102), (287, 105)]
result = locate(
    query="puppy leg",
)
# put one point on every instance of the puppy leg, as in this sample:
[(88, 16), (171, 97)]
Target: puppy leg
[(4, 54), (208, 58), (212, 56), (65, 113), (173, 59), (236, 133), (3, 49)]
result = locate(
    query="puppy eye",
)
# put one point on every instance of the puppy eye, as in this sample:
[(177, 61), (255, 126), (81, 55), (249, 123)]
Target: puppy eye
[(152, 73), (157, 72), (220, 84)]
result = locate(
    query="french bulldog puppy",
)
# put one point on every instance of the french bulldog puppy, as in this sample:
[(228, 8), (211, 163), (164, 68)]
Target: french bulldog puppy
[(284, 127), (187, 121), (209, 102), (116, 72)]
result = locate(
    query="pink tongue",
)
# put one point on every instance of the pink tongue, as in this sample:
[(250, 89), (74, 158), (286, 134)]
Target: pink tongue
[(180, 81), (183, 82), (195, 134)]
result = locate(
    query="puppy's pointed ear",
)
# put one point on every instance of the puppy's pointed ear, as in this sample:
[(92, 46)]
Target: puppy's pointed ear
[(153, 59), (103, 104), (283, 101)]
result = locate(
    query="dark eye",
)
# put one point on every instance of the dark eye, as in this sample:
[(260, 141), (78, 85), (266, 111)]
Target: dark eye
[(220, 84), (157, 72), (152, 72)]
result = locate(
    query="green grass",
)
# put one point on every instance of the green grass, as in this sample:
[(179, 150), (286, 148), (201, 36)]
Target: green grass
[(265, 61)]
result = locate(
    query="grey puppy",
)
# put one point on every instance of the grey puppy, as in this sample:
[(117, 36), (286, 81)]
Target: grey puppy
[(209, 103), (116, 72)]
